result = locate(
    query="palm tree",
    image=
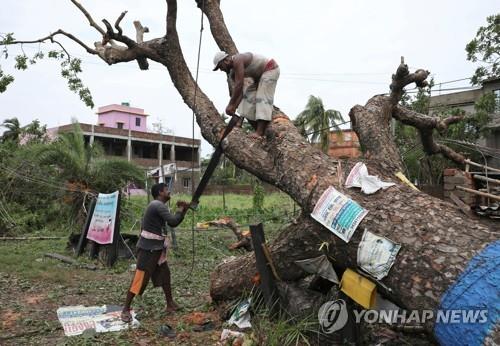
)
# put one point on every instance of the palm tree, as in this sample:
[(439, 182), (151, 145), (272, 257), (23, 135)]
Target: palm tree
[(13, 130), (315, 123), (83, 168)]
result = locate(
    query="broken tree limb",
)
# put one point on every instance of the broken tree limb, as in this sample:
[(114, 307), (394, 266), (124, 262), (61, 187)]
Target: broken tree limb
[(139, 31), (70, 260), (30, 238)]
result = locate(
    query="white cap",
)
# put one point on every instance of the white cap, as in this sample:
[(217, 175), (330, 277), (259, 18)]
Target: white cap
[(219, 56)]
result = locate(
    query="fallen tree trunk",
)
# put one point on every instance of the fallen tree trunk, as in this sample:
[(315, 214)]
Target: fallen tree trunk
[(443, 261)]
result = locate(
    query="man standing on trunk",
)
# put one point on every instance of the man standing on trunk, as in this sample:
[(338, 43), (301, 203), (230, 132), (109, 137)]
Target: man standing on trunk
[(256, 101), (151, 255)]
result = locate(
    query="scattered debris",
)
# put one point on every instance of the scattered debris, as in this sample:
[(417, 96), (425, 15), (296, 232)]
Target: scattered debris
[(241, 315), (405, 180), (30, 238), (70, 260), (244, 237), (168, 331), (376, 254), (76, 319), (320, 266), (359, 177), (492, 211), (228, 334), (359, 288), (338, 213)]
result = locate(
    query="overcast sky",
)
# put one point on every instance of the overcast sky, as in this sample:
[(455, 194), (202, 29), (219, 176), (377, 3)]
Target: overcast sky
[(341, 51)]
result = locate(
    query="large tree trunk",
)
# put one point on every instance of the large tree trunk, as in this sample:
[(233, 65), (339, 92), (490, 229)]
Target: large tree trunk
[(437, 241)]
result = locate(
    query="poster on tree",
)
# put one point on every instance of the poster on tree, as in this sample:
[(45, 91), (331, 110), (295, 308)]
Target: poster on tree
[(102, 224), (338, 213)]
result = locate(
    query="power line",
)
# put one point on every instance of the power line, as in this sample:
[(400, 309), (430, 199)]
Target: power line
[(327, 128)]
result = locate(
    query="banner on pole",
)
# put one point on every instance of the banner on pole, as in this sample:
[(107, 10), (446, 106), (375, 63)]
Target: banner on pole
[(102, 224)]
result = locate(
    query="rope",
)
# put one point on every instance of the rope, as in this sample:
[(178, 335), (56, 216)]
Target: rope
[(193, 247)]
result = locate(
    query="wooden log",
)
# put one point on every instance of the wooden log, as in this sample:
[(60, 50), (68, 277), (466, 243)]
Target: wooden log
[(70, 260), (479, 193), (482, 166), (112, 249), (30, 238), (83, 237), (267, 283), (483, 178), (462, 206)]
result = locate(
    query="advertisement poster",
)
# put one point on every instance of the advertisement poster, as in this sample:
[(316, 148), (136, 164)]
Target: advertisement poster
[(76, 319), (102, 224), (376, 255), (338, 213)]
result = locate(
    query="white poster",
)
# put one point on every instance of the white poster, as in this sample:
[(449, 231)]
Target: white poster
[(338, 213), (102, 224), (376, 255), (76, 319)]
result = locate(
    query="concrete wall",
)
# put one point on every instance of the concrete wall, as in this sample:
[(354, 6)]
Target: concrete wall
[(345, 146), (110, 115), (454, 177)]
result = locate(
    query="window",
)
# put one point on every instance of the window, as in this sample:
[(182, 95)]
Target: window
[(497, 99), (186, 182), (119, 125), (347, 137), (137, 122)]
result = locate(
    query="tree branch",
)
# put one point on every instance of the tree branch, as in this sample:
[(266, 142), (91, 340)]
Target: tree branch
[(140, 30), (402, 78), (89, 17), (425, 125), (117, 23), (51, 38), (218, 27)]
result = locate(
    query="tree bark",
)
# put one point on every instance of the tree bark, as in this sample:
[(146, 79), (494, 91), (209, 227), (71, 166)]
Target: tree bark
[(437, 240)]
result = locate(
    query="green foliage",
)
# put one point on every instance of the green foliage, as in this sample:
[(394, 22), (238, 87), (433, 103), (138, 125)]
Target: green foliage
[(70, 68), (31, 133), (314, 118), (428, 169), (60, 176), (5, 80), (485, 48), (13, 130), (258, 196)]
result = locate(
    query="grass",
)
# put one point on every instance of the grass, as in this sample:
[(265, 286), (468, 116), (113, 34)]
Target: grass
[(26, 273)]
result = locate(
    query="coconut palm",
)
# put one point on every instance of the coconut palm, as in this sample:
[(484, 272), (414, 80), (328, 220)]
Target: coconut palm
[(316, 123), (13, 130), (83, 168)]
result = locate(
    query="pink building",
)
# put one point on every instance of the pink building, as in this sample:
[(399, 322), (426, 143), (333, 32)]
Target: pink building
[(122, 117), (147, 149)]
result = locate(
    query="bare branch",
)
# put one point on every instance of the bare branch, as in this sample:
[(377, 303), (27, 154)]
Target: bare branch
[(218, 27), (140, 30), (117, 23), (425, 125), (89, 17), (403, 77), (60, 32)]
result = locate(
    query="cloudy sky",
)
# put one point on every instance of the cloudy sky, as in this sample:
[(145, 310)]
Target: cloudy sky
[(341, 51)]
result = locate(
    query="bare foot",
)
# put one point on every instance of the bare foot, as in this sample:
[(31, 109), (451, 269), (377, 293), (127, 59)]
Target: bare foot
[(255, 135), (172, 307), (126, 316)]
